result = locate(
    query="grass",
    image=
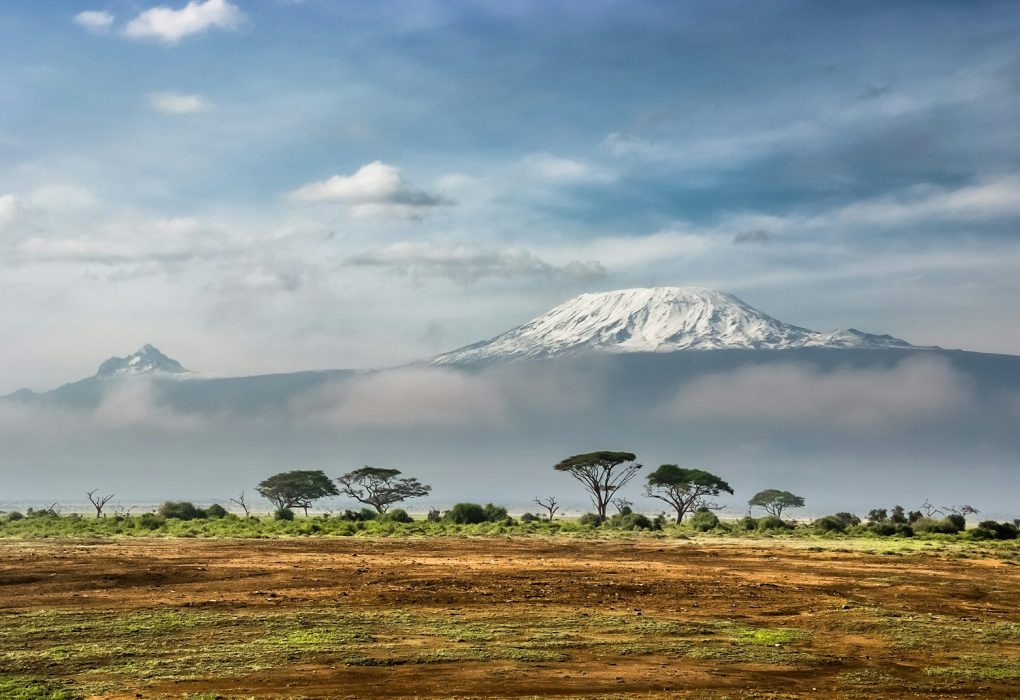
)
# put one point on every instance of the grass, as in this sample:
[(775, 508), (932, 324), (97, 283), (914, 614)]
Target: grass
[(48, 526), (109, 651), (22, 688), (983, 667)]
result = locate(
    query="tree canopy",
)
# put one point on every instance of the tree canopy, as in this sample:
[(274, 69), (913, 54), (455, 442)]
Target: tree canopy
[(601, 473), (684, 489), (774, 501), (297, 489), (380, 488)]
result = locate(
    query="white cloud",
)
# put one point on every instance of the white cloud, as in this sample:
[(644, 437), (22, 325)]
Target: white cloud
[(170, 26), (177, 103), (375, 190), (94, 20), (465, 263), (10, 206), (12, 211), (555, 169)]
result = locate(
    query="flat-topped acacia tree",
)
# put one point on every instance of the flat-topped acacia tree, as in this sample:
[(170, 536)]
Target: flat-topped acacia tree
[(297, 489), (602, 474), (774, 501), (684, 489), (380, 488)]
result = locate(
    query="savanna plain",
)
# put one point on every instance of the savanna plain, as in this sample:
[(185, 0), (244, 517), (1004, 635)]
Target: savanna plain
[(582, 614)]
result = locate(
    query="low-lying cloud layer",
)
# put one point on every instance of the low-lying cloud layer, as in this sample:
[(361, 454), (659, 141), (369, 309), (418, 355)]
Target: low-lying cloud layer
[(494, 434), (916, 391)]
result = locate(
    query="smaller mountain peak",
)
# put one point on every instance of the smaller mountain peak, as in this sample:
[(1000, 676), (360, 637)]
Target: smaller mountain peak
[(146, 360)]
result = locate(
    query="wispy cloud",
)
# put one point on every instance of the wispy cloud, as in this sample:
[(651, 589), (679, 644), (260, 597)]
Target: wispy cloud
[(177, 103), (375, 190), (988, 198), (169, 26), (556, 169), (465, 263), (94, 20), (755, 236)]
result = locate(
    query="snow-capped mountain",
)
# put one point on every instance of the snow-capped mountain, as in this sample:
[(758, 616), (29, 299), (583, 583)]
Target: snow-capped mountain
[(660, 319), (146, 360)]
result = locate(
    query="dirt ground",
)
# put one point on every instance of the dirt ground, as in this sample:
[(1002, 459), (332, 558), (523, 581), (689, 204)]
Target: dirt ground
[(500, 617)]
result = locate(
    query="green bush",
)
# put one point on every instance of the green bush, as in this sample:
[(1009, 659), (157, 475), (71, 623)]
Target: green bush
[(150, 521), (359, 516), (883, 529), (747, 523), (848, 519), (771, 523), (494, 514), (946, 526), (397, 515), (704, 520), (829, 523), (991, 530), (283, 514), (629, 521), (181, 510), (215, 511), (466, 514)]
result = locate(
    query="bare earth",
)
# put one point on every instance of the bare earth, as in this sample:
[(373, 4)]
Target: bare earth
[(500, 617)]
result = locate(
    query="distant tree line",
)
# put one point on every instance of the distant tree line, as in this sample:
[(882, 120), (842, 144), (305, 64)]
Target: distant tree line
[(689, 492)]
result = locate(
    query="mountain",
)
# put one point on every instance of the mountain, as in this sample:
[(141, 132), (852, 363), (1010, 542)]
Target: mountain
[(146, 360), (659, 320)]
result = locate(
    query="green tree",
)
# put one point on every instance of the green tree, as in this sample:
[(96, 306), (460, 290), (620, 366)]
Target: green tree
[(296, 489), (774, 501), (602, 474), (684, 489), (380, 488)]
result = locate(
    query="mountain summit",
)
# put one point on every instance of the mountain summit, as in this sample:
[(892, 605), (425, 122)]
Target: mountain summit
[(660, 319), (146, 360)]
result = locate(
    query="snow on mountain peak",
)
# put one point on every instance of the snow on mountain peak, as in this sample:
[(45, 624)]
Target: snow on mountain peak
[(146, 360), (659, 319)]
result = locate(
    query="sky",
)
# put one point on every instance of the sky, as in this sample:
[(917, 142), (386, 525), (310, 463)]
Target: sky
[(274, 185)]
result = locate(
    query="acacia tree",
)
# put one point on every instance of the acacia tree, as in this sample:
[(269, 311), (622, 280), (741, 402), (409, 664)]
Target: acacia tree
[(296, 489), (685, 489), (774, 501), (380, 488), (99, 502), (602, 474)]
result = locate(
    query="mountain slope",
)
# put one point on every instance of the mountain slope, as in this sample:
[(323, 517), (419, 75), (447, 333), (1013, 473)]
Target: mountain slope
[(660, 319)]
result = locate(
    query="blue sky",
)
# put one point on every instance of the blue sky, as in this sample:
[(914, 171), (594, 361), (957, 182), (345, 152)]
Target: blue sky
[(276, 185)]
